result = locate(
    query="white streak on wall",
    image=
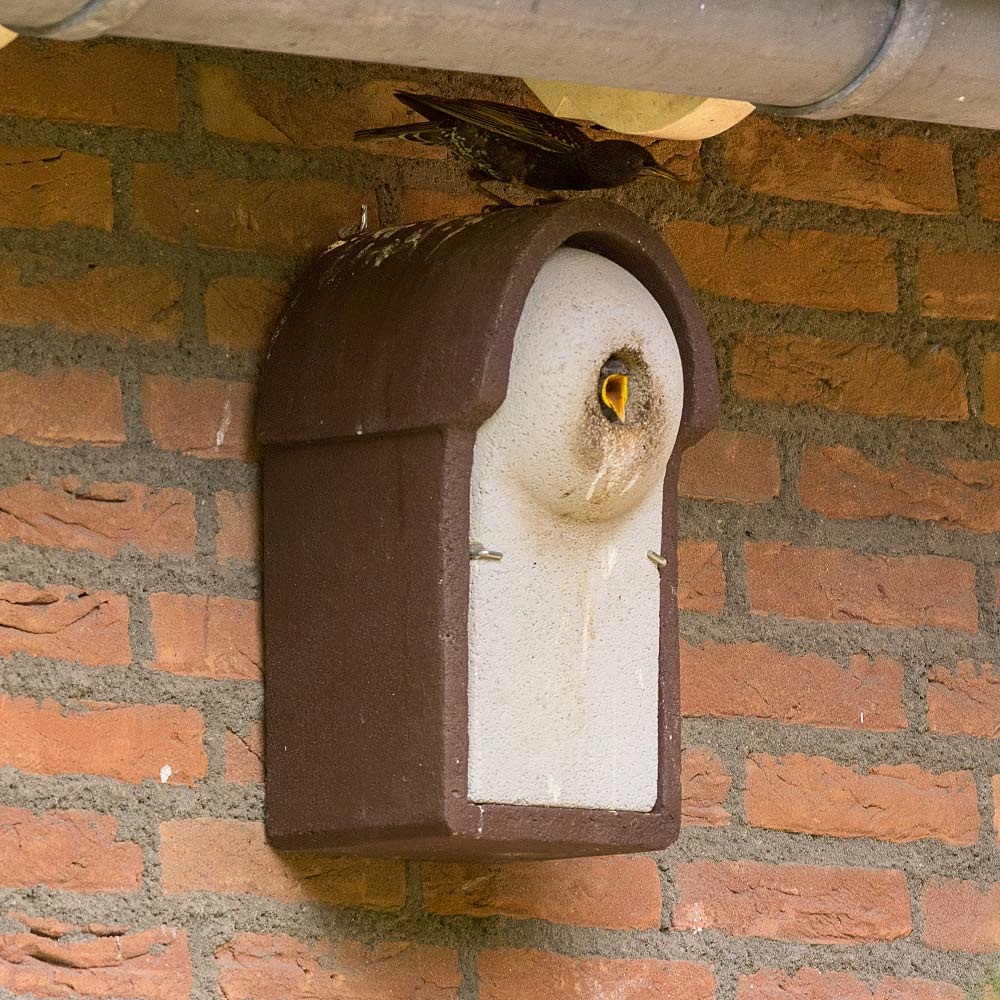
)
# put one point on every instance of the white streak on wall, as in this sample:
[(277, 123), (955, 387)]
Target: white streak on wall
[(227, 419)]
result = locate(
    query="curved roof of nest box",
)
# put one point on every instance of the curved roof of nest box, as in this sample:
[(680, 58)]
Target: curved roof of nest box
[(413, 327)]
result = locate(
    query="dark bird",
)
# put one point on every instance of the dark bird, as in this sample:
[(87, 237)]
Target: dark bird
[(514, 145)]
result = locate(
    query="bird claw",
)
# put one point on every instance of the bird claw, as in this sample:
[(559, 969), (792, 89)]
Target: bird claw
[(357, 228), (497, 207)]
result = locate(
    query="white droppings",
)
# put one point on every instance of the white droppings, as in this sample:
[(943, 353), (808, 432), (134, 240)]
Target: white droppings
[(960, 99), (601, 473), (555, 789), (612, 561), (630, 485), (227, 419), (697, 917), (165, 773)]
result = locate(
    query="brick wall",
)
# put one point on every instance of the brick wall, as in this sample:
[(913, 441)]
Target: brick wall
[(839, 570)]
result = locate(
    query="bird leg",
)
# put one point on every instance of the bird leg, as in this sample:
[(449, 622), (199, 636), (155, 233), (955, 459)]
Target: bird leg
[(498, 200)]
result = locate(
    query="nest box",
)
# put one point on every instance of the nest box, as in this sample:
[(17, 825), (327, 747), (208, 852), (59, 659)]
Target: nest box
[(471, 432)]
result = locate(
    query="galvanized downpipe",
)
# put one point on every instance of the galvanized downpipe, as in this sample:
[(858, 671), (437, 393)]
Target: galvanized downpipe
[(929, 60)]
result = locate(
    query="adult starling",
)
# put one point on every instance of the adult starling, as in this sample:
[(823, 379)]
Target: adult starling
[(514, 145)]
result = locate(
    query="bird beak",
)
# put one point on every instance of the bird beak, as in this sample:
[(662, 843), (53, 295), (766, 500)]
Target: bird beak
[(658, 171), (614, 395)]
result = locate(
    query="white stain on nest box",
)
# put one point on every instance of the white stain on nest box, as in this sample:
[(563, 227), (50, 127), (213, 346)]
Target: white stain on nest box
[(564, 630)]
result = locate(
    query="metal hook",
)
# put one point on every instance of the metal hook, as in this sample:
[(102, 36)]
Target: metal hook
[(477, 551), (656, 559)]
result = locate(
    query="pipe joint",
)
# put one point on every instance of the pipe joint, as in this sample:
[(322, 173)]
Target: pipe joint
[(912, 26), (96, 17)]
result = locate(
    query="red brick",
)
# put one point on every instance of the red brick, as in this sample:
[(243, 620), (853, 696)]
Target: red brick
[(65, 623), (705, 785), (245, 756), (104, 84), (792, 902), (418, 204), (41, 187), (837, 585), (849, 376), (731, 467), (753, 679), (805, 267), (915, 989), (239, 526), (51, 927), (958, 284), (962, 916), (234, 214), (965, 700), (242, 313), (147, 965), (899, 803), (812, 984), (238, 106), (204, 417), (62, 407), (701, 579), (839, 482), (279, 967), (114, 302), (66, 849), (621, 893), (527, 974), (126, 742), (991, 389), (989, 187), (896, 173), (207, 636), (101, 517), (232, 857)]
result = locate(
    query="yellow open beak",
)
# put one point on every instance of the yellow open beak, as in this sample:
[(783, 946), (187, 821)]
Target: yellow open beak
[(614, 394)]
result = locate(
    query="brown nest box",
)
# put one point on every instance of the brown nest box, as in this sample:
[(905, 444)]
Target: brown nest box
[(471, 432)]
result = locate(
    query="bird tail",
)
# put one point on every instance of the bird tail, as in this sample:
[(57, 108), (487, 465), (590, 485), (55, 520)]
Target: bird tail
[(423, 132)]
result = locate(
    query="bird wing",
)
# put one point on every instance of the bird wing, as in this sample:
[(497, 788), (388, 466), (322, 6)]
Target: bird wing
[(531, 127), (428, 133)]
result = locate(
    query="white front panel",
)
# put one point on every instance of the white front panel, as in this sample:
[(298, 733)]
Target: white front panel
[(564, 631)]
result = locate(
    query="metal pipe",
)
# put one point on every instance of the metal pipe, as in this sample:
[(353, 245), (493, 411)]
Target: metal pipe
[(930, 60)]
